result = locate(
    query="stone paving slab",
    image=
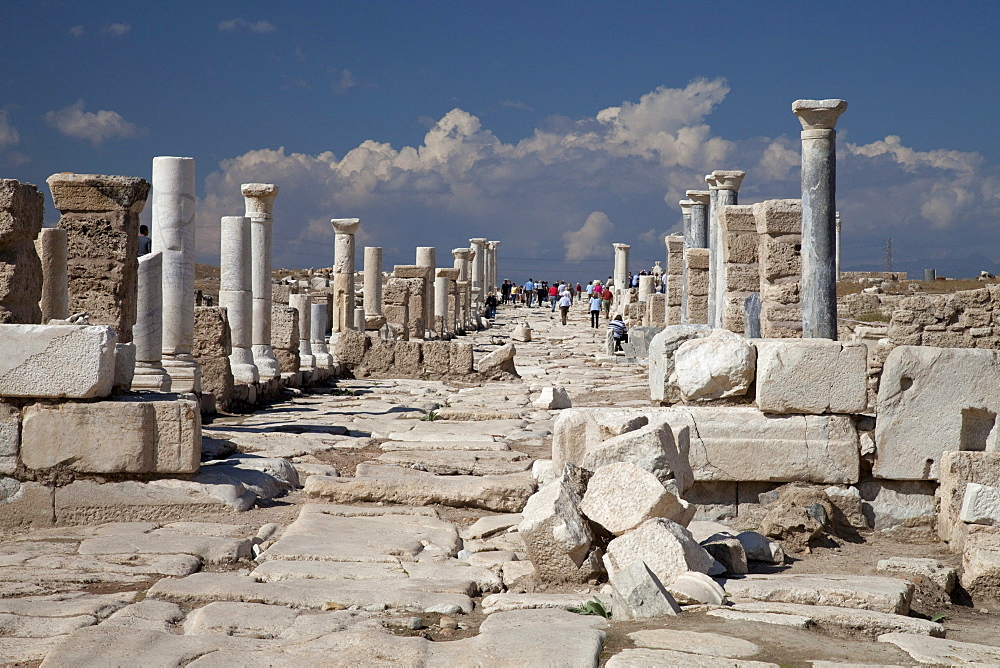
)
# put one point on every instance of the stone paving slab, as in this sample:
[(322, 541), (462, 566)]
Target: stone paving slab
[(939, 651), (888, 595), (461, 462), (646, 658), (445, 446), (212, 550), (507, 602), (855, 621), (441, 581)]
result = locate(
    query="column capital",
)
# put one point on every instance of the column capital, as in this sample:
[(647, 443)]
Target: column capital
[(259, 199), (478, 241), (462, 253), (712, 183), (619, 247), (345, 225), (686, 204), (699, 196), (446, 272), (818, 114), (97, 192), (728, 179), (492, 245)]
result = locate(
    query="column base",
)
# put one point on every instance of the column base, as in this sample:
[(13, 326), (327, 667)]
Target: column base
[(267, 364), (185, 374), (374, 322), (323, 360), (150, 376), (307, 362)]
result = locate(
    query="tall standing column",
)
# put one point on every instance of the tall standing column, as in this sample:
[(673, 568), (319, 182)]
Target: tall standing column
[(148, 331), (318, 335), (463, 257), (444, 279), (259, 199), (303, 304), (236, 295), (174, 237), (51, 246), (478, 275), (724, 185), (427, 258), (373, 288), (700, 202), (620, 276), (819, 211), (492, 284), (686, 205), (343, 264)]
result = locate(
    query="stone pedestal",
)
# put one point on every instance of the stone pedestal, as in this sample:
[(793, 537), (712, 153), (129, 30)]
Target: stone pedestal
[(723, 188), (647, 286), (696, 265), (148, 331), (427, 258), (236, 295), (100, 215), (444, 322), (819, 210), (373, 288), (779, 233), (303, 304), (344, 265), (52, 251), (740, 275), (259, 199), (317, 322)]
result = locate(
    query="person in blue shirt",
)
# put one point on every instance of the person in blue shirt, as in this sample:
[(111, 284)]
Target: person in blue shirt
[(529, 291), (595, 308)]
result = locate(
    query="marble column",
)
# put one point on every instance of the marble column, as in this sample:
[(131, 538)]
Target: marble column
[(343, 263), (174, 238), (837, 271), (236, 295), (259, 200), (148, 331), (51, 247), (620, 276), (724, 186), (819, 211), (373, 288), (317, 319), (647, 286), (303, 304), (478, 277), (700, 201), (685, 205), (444, 318), (463, 256), (491, 267), (427, 258)]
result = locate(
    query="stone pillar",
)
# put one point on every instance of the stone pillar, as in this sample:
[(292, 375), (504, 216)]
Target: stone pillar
[(819, 211), (724, 186), (148, 331), (647, 286), (373, 288), (416, 279), (686, 205), (696, 261), (303, 304), (52, 251), (236, 295), (343, 263), (317, 320), (427, 258), (463, 257), (675, 288), (100, 215), (740, 274), (259, 199), (443, 282), (779, 234), (621, 268), (493, 283), (478, 276), (700, 204)]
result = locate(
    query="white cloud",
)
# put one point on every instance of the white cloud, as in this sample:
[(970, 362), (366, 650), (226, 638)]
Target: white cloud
[(346, 81), (9, 136), (76, 31), (242, 25), (590, 241), (912, 160), (116, 29), (96, 127)]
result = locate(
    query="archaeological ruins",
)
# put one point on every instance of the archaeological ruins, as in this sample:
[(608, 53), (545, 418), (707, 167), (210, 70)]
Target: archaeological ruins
[(355, 465)]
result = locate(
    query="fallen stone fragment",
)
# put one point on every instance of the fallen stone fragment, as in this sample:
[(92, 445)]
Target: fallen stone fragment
[(553, 398), (638, 594), (981, 505), (653, 448), (908, 567), (729, 552), (798, 517), (644, 658), (460, 462), (905, 503), (605, 503), (544, 471), (834, 619), (940, 651), (981, 566), (666, 547), (499, 364), (487, 526), (717, 366), (694, 642), (506, 602), (958, 469), (513, 571), (661, 360), (577, 429), (694, 588), (888, 595), (394, 484), (556, 536)]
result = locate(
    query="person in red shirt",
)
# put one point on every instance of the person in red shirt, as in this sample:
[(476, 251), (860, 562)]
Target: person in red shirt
[(554, 295)]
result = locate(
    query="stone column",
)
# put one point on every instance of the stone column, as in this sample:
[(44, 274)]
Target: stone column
[(686, 205), (723, 186), (443, 287), (647, 286), (235, 294), (317, 320), (259, 199), (492, 282), (373, 288), (343, 263), (838, 247), (620, 276), (427, 258), (463, 257), (700, 203), (819, 210), (477, 279), (303, 304), (148, 331), (52, 248)]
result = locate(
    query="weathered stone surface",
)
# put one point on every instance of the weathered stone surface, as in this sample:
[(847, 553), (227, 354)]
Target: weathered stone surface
[(888, 595), (147, 615), (556, 536), (460, 462), (24, 504), (811, 376), (553, 398), (666, 547), (661, 359), (834, 619), (113, 436), (211, 348), (910, 567), (22, 209), (575, 430), (981, 505), (932, 400), (499, 364), (696, 642), (485, 527), (939, 651), (739, 615), (639, 594), (285, 336), (507, 602), (798, 517), (958, 469), (693, 588), (394, 484), (891, 503), (654, 448), (606, 502), (729, 553), (211, 549), (57, 361), (714, 367), (643, 658), (86, 502)]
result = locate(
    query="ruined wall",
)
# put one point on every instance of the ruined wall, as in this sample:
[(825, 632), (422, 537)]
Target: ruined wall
[(368, 355), (779, 253), (696, 261), (675, 281), (212, 347), (966, 319), (285, 336), (21, 212), (741, 274)]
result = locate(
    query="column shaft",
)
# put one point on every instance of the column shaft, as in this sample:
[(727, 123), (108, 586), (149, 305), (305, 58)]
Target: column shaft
[(148, 332), (259, 200), (51, 246), (236, 295)]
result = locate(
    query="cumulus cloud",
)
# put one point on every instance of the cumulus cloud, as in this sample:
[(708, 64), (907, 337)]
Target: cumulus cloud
[(116, 29), (95, 127), (242, 25), (76, 31), (629, 163), (590, 241)]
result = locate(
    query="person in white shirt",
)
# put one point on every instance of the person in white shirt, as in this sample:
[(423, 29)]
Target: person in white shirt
[(565, 300)]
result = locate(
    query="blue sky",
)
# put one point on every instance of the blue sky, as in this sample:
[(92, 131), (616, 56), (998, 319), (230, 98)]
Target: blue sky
[(556, 127)]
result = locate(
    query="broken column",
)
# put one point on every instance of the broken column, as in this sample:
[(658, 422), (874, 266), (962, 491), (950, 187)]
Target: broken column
[(427, 258), (21, 276), (259, 199), (696, 266), (723, 186), (463, 256), (236, 295), (373, 288), (443, 287), (343, 270), (317, 321), (740, 276), (478, 276), (52, 251), (647, 286), (148, 331), (819, 211), (303, 304), (779, 233), (621, 267), (675, 280)]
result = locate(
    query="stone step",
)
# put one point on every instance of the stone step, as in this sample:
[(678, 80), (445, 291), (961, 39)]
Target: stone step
[(888, 595)]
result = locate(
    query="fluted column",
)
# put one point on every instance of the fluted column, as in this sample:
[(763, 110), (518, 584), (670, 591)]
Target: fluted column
[(236, 295), (174, 237), (303, 304), (427, 258), (724, 185), (259, 200), (819, 211), (148, 331), (343, 264)]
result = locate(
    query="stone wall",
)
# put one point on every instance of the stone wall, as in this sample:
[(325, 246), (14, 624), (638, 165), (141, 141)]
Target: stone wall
[(212, 347), (696, 269), (675, 280), (285, 336), (966, 319), (368, 355), (21, 211), (779, 229), (740, 272), (396, 306)]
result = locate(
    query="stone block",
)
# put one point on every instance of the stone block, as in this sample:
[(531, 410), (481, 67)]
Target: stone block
[(395, 291), (89, 502), (21, 212), (212, 347), (892, 503), (410, 271), (381, 355), (656, 448), (639, 594), (25, 504), (461, 359), (666, 547), (578, 429), (696, 258), (811, 376), (113, 436), (409, 358), (933, 400), (553, 398), (349, 347), (556, 536), (714, 367), (10, 437), (697, 282), (436, 356), (57, 361), (958, 469), (499, 363), (284, 328), (647, 498), (778, 216), (662, 351), (981, 504)]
